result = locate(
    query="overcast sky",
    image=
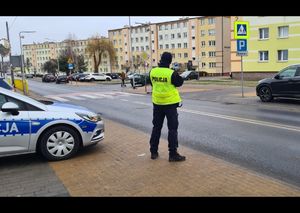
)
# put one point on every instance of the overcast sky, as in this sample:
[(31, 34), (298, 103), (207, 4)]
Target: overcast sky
[(58, 27)]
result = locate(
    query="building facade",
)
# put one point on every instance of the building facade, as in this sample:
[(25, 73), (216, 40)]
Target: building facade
[(39, 53), (202, 41), (274, 43)]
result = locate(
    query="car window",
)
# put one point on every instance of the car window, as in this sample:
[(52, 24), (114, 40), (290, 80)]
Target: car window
[(288, 72), (2, 100), (297, 74), (23, 106)]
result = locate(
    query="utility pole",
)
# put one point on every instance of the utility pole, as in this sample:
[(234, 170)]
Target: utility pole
[(131, 55), (11, 70)]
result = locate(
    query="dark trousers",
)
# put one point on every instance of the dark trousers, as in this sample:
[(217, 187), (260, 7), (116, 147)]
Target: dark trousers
[(159, 114)]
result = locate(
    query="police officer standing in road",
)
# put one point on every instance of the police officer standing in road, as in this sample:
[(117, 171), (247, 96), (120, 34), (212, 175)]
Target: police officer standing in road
[(166, 99)]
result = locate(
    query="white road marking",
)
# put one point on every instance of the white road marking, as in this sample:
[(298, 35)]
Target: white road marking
[(234, 118), (89, 96), (76, 97), (58, 98)]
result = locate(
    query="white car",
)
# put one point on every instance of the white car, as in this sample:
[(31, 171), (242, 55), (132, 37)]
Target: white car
[(97, 77), (54, 129)]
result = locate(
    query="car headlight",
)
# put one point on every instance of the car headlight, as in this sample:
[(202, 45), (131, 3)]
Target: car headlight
[(93, 118)]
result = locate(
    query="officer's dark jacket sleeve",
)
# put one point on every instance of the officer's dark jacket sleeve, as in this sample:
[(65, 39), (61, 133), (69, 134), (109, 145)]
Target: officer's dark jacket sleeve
[(176, 79)]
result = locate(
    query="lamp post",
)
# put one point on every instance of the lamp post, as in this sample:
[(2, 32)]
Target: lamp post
[(150, 48), (22, 62), (56, 54)]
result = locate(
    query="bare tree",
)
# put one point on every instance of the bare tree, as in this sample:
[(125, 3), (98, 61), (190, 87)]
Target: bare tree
[(96, 47)]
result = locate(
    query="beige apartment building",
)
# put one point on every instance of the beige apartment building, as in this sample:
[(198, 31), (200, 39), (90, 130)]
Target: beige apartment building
[(39, 53), (204, 41)]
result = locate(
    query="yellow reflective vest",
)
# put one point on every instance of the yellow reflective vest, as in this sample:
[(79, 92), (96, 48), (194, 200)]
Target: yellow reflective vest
[(163, 91)]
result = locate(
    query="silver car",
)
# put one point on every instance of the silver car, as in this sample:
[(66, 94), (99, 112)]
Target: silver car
[(54, 129)]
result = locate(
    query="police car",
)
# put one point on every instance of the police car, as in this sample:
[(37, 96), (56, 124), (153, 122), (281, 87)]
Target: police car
[(56, 130)]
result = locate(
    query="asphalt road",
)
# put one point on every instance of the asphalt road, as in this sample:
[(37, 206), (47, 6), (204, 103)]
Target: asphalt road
[(262, 139)]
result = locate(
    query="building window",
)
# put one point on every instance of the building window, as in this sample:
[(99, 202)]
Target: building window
[(166, 27), (202, 33), (146, 38), (125, 44), (173, 46), (185, 35), (194, 58), (160, 27), (184, 24), (212, 64), (173, 55), (193, 48), (211, 43), (211, 20), (160, 37), (193, 27), (136, 39), (178, 25), (203, 64), (147, 47), (203, 54), (142, 39), (185, 45), (263, 33), (142, 48), (282, 55), (283, 32), (211, 32), (137, 49), (202, 43), (166, 37), (172, 26), (263, 55), (167, 46), (185, 55), (141, 30), (161, 46), (193, 37), (212, 54), (178, 35), (136, 30), (179, 55), (179, 45), (120, 42), (172, 36)]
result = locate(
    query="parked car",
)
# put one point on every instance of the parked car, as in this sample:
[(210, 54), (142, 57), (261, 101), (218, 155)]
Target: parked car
[(49, 78), (189, 75), (96, 77), (284, 84), (29, 75), (113, 75), (56, 130), (139, 79), (4, 84), (62, 79)]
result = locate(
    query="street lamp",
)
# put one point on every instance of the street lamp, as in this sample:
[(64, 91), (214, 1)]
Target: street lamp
[(22, 62), (56, 54), (150, 48)]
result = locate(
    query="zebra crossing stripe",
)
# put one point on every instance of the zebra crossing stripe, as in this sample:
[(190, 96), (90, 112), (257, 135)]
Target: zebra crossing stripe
[(76, 98), (58, 98), (89, 96)]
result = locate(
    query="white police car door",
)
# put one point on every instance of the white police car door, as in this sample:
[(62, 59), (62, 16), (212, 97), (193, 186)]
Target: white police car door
[(14, 129)]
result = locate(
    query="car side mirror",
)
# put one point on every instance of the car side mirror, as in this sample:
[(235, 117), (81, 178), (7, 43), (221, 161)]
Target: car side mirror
[(11, 108), (277, 76)]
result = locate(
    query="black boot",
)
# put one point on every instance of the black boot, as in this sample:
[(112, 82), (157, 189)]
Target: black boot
[(174, 157), (154, 155)]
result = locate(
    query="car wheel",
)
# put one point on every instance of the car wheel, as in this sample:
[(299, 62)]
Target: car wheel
[(265, 94), (92, 79), (108, 79), (59, 143)]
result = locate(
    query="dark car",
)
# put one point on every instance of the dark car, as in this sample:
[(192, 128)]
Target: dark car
[(4, 84), (189, 75), (285, 84), (48, 78), (139, 79), (29, 75), (113, 75), (62, 79)]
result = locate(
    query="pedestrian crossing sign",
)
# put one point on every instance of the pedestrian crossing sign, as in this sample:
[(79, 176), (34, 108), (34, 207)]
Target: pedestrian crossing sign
[(241, 30)]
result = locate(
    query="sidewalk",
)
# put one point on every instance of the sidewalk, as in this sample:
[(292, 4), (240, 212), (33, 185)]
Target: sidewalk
[(121, 166)]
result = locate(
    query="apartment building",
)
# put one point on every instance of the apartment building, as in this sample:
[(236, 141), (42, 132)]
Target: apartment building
[(274, 43), (39, 53), (202, 41)]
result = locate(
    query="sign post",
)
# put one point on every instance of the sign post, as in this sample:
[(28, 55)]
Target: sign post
[(241, 33)]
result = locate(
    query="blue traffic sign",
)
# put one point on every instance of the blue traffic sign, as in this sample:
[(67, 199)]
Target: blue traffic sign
[(241, 45), (70, 66)]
